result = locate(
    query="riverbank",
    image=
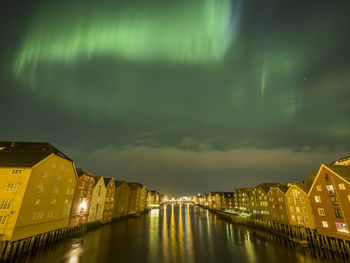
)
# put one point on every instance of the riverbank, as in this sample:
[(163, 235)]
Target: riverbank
[(298, 235), (9, 251)]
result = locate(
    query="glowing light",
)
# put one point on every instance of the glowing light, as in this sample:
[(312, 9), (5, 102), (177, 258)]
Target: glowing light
[(83, 206), (169, 33)]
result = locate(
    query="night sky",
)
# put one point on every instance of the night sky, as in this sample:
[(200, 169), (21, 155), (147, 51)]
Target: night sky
[(183, 96)]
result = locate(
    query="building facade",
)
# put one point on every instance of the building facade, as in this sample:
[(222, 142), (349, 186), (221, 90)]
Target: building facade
[(121, 199), (109, 200), (37, 184), (82, 198), (278, 210), (330, 199), (299, 206), (97, 200)]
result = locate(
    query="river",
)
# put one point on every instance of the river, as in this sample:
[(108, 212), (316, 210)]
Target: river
[(175, 233)]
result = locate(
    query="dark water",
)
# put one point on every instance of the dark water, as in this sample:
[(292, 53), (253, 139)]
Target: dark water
[(174, 233)]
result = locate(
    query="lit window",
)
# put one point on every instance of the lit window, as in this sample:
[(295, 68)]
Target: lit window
[(321, 211), (334, 200), (324, 224), (341, 227), (53, 201), (297, 209), (39, 188), (36, 202), (3, 220), (319, 188), (318, 199), (292, 209), (55, 190), (306, 219), (43, 174), (341, 186), (297, 201), (67, 191), (11, 187), (5, 204), (330, 188), (70, 180), (304, 210), (293, 218)]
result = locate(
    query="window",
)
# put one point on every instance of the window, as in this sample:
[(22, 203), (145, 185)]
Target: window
[(337, 213), (293, 218), (39, 188), (317, 199), (297, 209), (304, 210), (53, 165), (32, 216), (291, 209), (16, 171), (324, 224), (70, 180), (306, 219), (55, 190), (11, 187), (341, 227), (330, 188), (53, 201), (319, 188), (61, 168), (40, 215), (290, 200), (58, 177), (3, 220), (302, 200), (36, 202), (321, 212), (334, 200), (5, 204), (67, 191), (341, 186), (49, 214), (296, 201), (43, 174)]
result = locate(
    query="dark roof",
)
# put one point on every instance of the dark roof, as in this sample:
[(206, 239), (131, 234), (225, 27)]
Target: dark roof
[(135, 186), (266, 186), (97, 178), (228, 194), (107, 180), (341, 170), (283, 187), (119, 183), (26, 154)]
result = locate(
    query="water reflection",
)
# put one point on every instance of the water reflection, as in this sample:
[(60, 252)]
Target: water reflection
[(178, 233)]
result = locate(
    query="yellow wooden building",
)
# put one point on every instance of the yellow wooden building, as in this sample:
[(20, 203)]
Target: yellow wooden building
[(299, 206), (97, 200), (121, 199), (37, 184)]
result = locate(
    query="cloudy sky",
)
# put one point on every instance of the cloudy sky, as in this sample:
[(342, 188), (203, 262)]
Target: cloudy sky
[(183, 96)]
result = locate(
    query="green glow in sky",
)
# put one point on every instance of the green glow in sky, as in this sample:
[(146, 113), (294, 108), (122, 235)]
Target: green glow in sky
[(190, 32)]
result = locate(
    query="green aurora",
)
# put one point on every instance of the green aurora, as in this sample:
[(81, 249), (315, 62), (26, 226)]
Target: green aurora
[(191, 32)]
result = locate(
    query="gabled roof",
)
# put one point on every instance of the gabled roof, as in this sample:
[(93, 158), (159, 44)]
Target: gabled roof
[(228, 194), (119, 183), (26, 154), (341, 170), (301, 186), (135, 186), (97, 178), (266, 186), (81, 172), (107, 180), (283, 187)]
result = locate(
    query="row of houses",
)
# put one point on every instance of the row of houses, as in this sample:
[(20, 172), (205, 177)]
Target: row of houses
[(321, 202), (41, 190)]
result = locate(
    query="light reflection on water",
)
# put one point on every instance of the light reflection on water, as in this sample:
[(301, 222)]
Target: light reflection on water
[(173, 233)]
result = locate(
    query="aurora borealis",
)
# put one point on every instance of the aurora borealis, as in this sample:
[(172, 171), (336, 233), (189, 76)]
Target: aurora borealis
[(214, 93)]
